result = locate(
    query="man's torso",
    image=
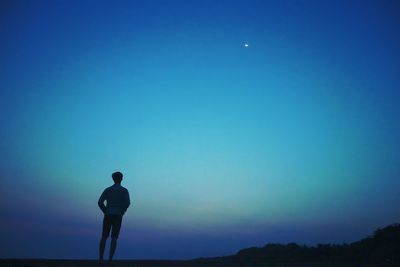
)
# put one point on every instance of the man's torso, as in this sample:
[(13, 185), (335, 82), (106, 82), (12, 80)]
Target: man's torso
[(116, 199)]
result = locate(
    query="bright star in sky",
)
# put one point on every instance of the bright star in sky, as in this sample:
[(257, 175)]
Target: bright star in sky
[(246, 45)]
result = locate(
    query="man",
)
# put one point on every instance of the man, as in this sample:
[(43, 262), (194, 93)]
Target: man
[(118, 201)]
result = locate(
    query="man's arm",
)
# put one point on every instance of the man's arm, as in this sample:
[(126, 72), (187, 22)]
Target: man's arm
[(101, 201), (127, 201)]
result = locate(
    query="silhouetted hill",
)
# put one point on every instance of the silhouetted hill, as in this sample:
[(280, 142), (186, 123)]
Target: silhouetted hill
[(382, 247)]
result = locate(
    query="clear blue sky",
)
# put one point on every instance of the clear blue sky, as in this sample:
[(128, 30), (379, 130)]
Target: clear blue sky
[(294, 138)]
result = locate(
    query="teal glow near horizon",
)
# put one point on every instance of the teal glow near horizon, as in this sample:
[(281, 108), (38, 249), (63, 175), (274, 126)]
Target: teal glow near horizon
[(297, 130)]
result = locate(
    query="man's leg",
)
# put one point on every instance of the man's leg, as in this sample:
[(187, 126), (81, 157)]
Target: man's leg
[(104, 236), (113, 246), (101, 249), (116, 226)]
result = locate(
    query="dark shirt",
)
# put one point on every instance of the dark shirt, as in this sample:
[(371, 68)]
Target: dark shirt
[(117, 198)]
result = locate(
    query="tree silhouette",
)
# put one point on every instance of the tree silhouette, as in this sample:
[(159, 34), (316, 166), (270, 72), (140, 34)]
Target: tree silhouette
[(382, 247)]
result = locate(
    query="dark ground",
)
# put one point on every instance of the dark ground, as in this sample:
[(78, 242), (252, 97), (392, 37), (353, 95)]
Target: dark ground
[(168, 263)]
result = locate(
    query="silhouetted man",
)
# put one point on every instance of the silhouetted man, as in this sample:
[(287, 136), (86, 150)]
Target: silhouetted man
[(118, 201)]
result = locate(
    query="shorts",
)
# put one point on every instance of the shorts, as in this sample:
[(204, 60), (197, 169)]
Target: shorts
[(113, 223)]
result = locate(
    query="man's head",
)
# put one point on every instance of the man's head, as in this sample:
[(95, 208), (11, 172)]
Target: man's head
[(117, 177)]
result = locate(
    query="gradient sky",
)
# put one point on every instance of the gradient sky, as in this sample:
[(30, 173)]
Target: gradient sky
[(294, 138)]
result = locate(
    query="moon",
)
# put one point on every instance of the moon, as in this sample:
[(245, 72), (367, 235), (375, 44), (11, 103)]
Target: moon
[(246, 45)]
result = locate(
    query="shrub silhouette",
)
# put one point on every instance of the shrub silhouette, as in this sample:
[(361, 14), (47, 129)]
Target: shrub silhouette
[(382, 247)]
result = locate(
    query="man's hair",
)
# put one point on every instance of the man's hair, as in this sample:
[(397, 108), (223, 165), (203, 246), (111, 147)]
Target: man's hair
[(117, 177)]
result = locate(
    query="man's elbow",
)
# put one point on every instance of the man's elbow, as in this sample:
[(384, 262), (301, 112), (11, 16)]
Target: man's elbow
[(101, 205)]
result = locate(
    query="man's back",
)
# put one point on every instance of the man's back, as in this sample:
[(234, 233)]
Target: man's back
[(117, 198)]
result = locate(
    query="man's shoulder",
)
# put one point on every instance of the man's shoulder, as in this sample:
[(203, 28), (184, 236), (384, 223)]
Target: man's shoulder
[(117, 188), (108, 189), (124, 188)]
